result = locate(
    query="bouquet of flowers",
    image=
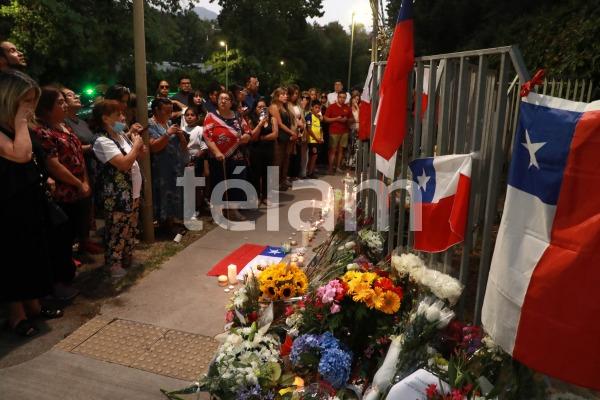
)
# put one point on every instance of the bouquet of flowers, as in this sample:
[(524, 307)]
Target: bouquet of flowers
[(244, 308), (374, 291), (373, 242), (248, 362), (324, 354), (441, 285), (282, 281)]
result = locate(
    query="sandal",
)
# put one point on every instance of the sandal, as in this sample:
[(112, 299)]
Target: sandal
[(25, 328), (51, 313)]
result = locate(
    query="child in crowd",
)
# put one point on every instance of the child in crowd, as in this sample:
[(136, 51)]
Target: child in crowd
[(315, 136)]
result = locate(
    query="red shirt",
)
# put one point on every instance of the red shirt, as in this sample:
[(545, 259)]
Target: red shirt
[(335, 110), (67, 147)]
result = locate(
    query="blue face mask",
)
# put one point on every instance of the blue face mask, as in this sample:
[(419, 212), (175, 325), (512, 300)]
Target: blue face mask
[(118, 127)]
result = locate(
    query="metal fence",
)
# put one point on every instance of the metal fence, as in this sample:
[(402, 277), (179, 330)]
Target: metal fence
[(472, 106)]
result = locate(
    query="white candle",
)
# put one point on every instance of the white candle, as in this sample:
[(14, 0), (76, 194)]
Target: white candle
[(305, 238), (232, 274)]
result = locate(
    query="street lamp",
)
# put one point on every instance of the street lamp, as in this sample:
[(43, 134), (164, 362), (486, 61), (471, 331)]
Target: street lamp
[(224, 44), (351, 46)]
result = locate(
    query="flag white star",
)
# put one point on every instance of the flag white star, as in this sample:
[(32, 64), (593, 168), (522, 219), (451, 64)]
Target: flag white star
[(532, 148), (274, 252), (423, 179)]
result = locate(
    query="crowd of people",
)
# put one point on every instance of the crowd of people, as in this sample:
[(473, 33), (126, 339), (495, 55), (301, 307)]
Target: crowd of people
[(62, 173)]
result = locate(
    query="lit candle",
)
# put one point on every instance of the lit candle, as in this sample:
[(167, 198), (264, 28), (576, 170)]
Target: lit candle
[(232, 274), (305, 238)]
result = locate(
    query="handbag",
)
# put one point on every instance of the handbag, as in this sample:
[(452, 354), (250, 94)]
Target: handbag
[(56, 215)]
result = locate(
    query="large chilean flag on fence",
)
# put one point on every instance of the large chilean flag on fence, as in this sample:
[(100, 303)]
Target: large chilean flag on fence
[(542, 304), (392, 112), (444, 183)]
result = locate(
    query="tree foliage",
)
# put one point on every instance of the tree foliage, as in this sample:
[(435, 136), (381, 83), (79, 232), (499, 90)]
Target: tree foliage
[(559, 36), (83, 42)]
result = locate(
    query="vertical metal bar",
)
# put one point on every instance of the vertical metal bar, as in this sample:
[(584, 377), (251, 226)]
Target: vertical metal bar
[(443, 132), (568, 89), (416, 150), (589, 94), (553, 85), (560, 88), (403, 156), (418, 131), (461, 107), (545, 86), (429, 128), (575, 90), (492, 197), (468, 244), (582, 90)]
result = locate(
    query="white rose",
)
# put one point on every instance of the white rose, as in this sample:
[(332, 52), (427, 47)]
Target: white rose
[(350, 245)]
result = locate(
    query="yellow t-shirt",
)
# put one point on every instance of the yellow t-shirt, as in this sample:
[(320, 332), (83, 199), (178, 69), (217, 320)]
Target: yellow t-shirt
[(314, 123)]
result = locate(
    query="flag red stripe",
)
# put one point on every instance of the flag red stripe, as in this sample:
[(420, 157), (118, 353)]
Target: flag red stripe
[(559, 327), (240, 257), (443, 223), (391, 119)]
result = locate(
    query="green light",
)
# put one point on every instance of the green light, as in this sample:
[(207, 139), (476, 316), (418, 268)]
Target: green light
[(89, 91)]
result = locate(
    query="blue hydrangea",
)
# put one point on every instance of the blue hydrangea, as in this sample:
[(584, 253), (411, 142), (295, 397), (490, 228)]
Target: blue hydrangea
[(254, 393), (328, 341), (301, 345), (335, 366)]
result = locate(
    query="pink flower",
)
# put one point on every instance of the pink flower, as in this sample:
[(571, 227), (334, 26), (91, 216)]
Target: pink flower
[(335, 308), (229, 316)]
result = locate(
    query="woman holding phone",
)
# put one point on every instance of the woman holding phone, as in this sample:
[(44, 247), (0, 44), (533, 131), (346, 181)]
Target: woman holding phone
[(120, 183), (168, 145)]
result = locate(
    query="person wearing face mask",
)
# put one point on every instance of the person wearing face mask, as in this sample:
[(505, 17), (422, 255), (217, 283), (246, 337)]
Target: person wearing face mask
[(87, 137), (119, 183)]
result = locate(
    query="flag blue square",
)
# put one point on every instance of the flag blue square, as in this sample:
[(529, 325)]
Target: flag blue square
[(272, 251), (541, 148), (423, 174)]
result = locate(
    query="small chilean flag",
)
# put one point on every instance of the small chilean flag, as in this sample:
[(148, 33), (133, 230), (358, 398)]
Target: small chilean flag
[(247, 256), (541, 302), (444, 183), (392, 114)]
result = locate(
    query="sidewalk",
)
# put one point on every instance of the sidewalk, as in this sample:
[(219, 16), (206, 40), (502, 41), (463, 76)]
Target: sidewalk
[(164, 324)]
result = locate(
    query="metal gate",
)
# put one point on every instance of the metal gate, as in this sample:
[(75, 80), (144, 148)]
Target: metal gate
[(472, 106)]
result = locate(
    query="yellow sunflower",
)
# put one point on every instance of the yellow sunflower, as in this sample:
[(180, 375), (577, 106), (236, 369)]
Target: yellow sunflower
[(286, 291), (269, 290), (301, 283), (391, 302)]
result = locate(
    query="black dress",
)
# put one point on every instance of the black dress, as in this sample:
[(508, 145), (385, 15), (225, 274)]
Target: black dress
[(261, 157), (26, 271)]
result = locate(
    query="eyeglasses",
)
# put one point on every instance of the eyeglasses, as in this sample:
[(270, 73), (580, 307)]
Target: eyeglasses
[(163, 86)]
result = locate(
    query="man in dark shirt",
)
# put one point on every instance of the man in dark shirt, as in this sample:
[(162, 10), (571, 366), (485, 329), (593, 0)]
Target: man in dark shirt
[(11, 57), (184, 95), (210, 103), (252, 95)]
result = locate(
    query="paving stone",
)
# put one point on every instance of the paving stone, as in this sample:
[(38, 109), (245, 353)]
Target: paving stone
[(83, 333)]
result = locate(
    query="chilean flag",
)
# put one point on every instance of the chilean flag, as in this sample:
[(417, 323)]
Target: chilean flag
[(444, 183), (541, 304), (392, 113), (247, 256)]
